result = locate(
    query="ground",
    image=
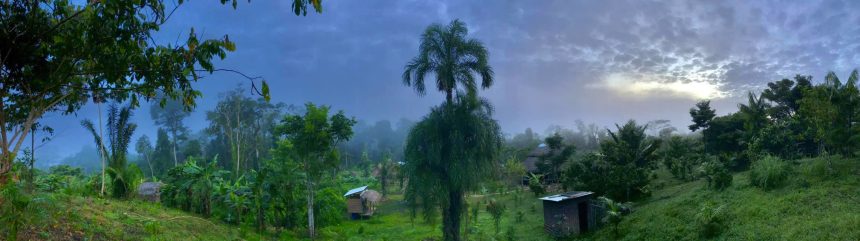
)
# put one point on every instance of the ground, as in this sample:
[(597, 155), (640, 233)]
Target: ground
[(816, 203)]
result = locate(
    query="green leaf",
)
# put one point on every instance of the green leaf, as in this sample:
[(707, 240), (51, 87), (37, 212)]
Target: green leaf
[(265, 91)]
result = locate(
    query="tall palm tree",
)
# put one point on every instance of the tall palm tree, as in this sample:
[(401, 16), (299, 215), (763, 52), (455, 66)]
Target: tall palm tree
[(754, 113), (120, 130), (446, 52)]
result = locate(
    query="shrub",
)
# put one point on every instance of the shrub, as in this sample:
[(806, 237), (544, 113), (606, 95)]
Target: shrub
[(535, 184), (709, 219), (769, 172), (716, 174), (19, 209), (496, 209)]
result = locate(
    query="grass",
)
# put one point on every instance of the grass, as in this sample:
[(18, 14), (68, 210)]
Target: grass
[(814, 205), (87, 218), (392, 222), (818, 202)]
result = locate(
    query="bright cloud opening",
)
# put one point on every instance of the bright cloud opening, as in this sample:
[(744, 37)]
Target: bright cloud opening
[(644, 86)]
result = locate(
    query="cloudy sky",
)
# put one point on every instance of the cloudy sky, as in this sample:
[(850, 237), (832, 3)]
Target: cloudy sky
[(555, 61)]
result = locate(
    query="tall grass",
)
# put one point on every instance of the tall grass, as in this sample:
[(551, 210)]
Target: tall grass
[(769, 173)]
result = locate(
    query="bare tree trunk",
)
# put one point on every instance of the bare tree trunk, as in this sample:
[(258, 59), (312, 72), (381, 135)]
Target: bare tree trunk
[(101, 149), (311, 231), (175, 160)]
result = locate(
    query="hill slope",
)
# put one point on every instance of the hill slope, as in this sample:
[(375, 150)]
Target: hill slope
[(86, 218), (814, 204)]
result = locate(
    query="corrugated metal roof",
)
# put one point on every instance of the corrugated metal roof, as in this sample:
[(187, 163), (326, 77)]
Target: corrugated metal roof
[(355, 190), (565, 196)]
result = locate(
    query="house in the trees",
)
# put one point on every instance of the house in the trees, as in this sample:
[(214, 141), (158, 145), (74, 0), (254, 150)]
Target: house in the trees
[(571, 213), (534, 159), (361, 202)]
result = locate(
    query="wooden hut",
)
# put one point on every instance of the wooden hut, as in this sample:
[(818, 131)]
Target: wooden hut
[(353, 202), (570, 213), (361, 202)]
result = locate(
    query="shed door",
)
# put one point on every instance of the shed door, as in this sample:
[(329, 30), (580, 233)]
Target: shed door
[(583, 216)]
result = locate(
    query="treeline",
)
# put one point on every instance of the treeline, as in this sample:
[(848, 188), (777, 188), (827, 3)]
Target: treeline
[(790, 119)]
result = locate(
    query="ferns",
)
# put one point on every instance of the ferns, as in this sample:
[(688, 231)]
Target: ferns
[(710, 218)]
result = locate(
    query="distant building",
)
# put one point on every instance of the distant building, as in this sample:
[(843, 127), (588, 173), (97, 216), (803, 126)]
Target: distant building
[(571, 213), (531, 163), (534, 157)]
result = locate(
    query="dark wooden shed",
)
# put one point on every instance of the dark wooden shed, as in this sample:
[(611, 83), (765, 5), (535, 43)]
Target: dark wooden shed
[(570, 213), (354, 207)]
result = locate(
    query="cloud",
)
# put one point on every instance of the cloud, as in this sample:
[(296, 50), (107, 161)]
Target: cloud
[(643, 87), (556, 61)]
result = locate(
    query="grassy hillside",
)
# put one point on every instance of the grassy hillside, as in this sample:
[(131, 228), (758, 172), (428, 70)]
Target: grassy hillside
[(86, 218), (814, 204)]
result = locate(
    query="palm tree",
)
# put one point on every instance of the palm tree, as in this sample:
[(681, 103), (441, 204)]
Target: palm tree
[(119, 133), (449, 153), (614, 213), (754, 113), (446, 52)]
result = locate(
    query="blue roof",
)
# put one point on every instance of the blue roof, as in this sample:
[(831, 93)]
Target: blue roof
[(355, 190)]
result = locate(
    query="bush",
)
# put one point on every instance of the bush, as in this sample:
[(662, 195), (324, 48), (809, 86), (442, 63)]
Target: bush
[(716, 174), (710, 218), (769, 172), (496, 209)]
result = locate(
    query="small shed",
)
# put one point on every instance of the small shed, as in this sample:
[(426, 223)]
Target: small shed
[(149, 191), (361, 202), (570, 213)]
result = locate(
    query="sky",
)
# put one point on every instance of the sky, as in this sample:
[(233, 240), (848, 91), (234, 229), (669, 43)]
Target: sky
[(555, 62)]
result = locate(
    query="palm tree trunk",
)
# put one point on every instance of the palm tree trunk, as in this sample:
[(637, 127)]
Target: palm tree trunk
[(449, 96), (451, 216)]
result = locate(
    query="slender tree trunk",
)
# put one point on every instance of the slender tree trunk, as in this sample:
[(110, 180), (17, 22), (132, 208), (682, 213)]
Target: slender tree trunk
[(101, 149), (151, 170), (451, 216), (311, 231), (175, 160)]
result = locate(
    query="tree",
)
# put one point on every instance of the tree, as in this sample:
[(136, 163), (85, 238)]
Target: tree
[(120, 130), (144, 148), (832, 110), (786, 95), (57, 54), (169, 114), (449, 152), (632, 155), (515, 170), (161, 155), (385, 167), (681, 155), (559, 152), (702, 115), (242, 129), (754, 114), (445, 51), (312, 138)]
